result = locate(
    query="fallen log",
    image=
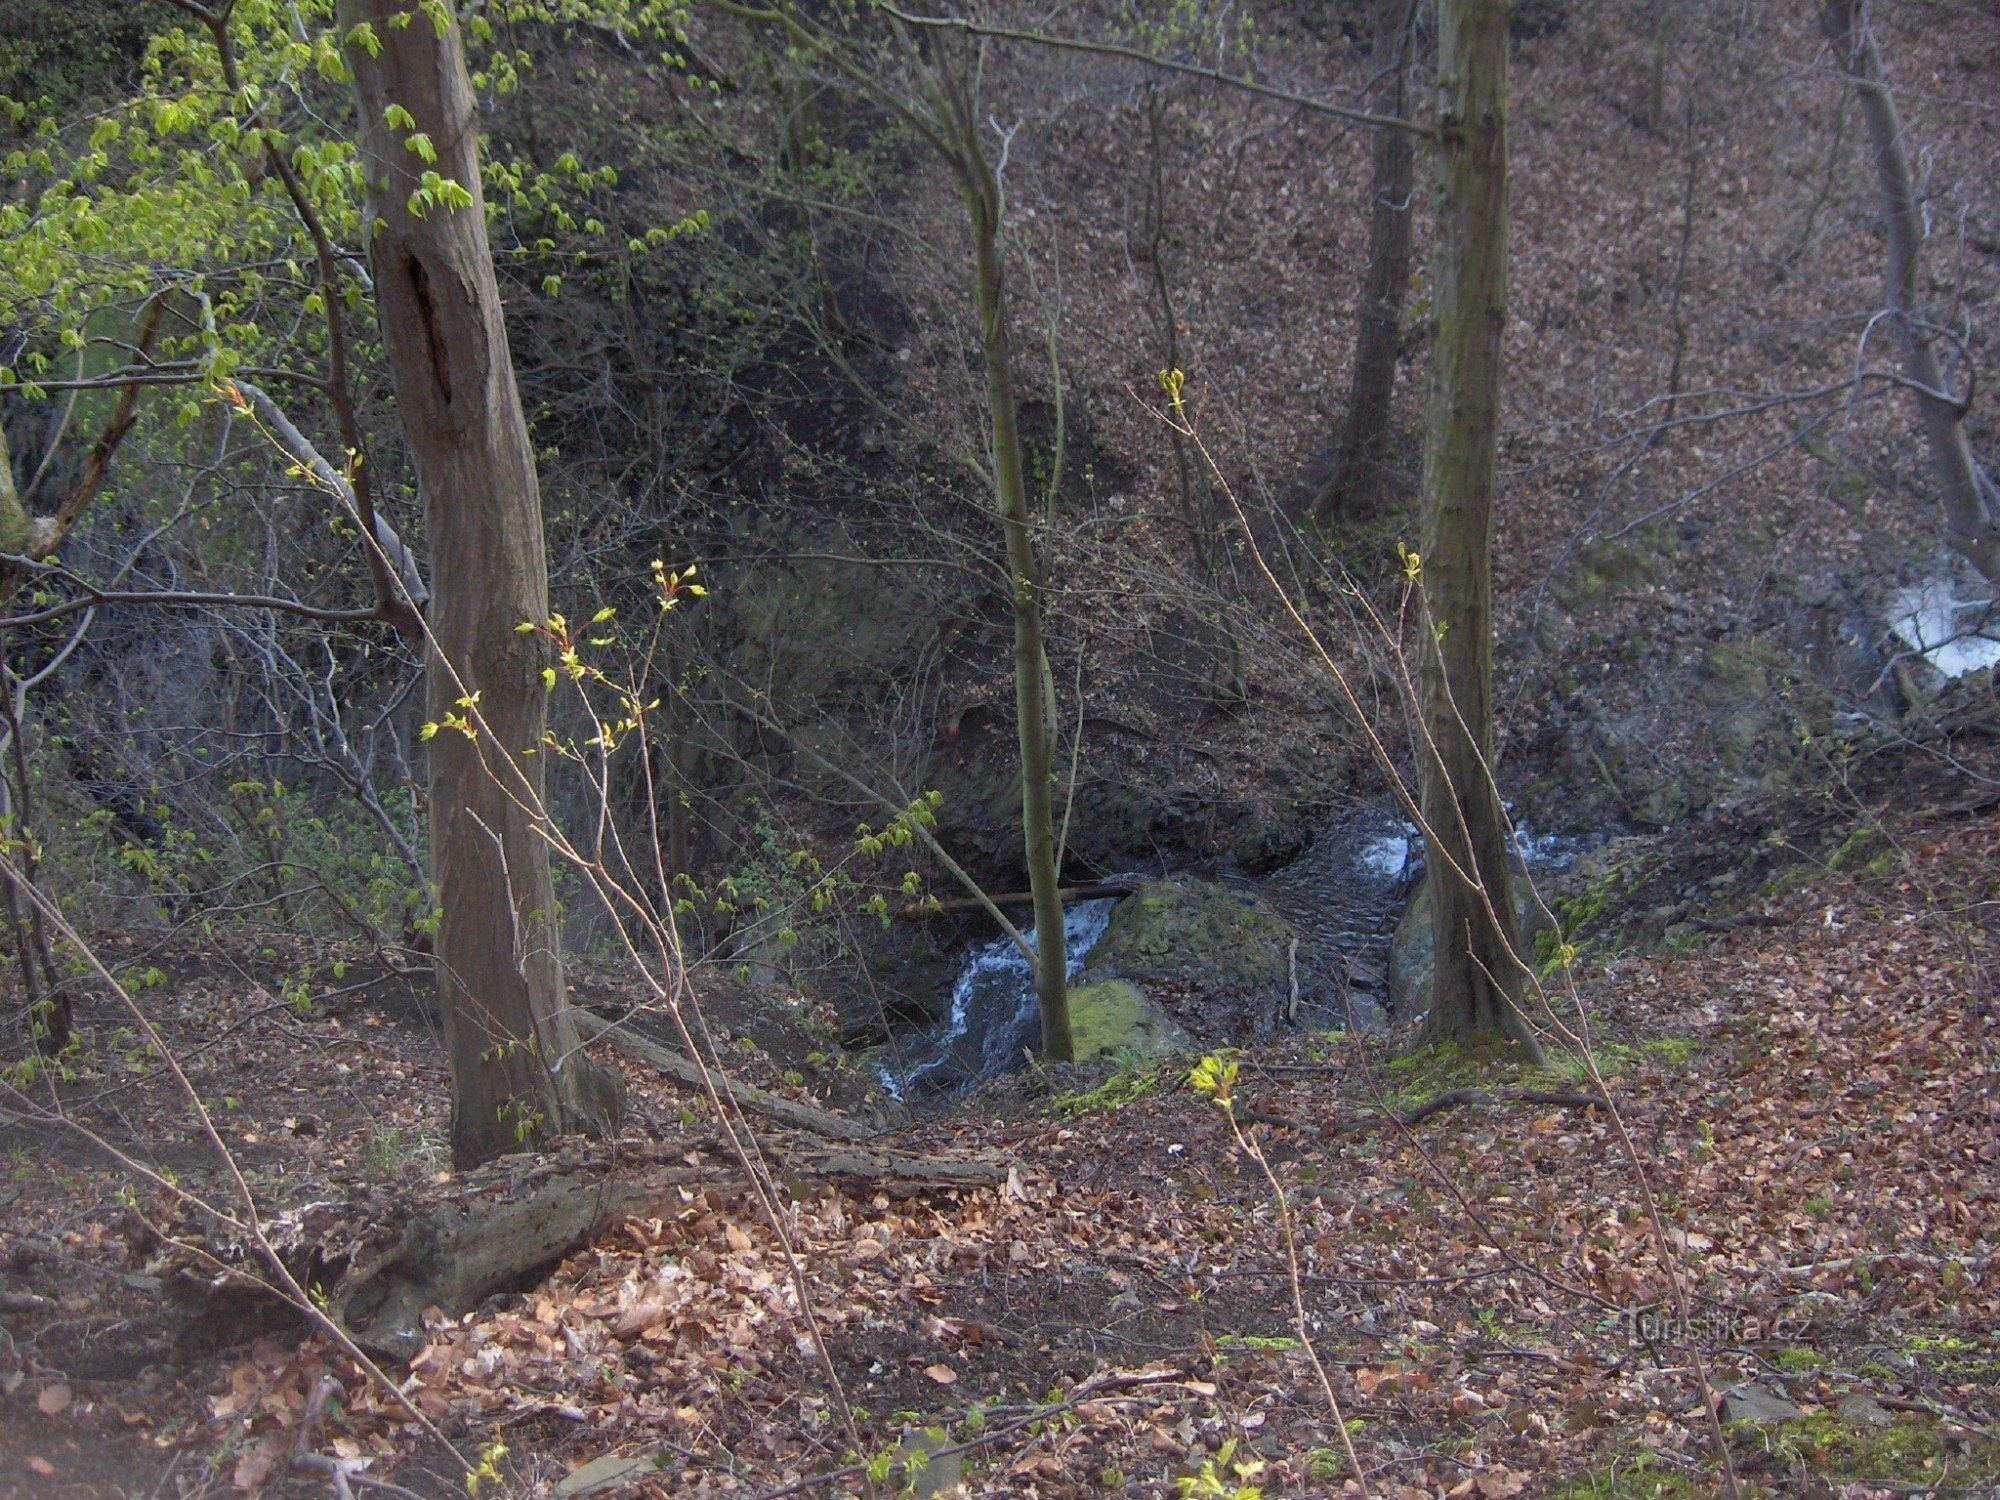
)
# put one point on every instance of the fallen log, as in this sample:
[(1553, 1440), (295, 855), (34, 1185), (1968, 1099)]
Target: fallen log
[(1102, 890), (382, 1259), (745, 1096), (493, 1235), (489, 1236), (1436, 1104), (902, 1172)]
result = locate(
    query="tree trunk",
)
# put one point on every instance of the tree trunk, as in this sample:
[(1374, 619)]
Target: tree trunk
[(1355, 490), (517, 1073), (1472, 921), (1971, 502), (1033, 692)]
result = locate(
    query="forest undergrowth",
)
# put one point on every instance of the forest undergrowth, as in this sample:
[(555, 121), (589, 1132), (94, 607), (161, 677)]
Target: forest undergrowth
[(1811, 1087)]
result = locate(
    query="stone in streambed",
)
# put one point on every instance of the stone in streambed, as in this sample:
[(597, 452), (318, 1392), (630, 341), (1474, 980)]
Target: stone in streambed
[(1115, 1015), (1413, 959), (1226, 951)]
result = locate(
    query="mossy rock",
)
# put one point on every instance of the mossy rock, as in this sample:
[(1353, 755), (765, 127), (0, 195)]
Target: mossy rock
[(1217, 943), (1115, 1016), (1742, 668), (1603, 569)]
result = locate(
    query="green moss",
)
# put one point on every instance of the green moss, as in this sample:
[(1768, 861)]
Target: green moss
[(1829, 1453), (1367, 549), (1955, 1356), (1743, 667), (1642, 1476), (1674, 1051), (1226, 943), (1798, 1361), (1256, 1341), (1412, 1077), (1601, 570), (1135, 1078), (1864, 849), (1116, 1017)]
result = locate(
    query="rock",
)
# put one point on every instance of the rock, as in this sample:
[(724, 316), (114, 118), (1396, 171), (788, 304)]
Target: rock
[(1753, 1403), (1227, 949), (1859, 1409), (601, 1474), (1115, 1015), (1115, 816), (930, 1474), (1365, 1016), (1412, 958)]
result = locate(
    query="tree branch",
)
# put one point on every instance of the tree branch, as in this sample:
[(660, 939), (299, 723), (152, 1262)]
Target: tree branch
[(1134, 54), (93, 597)]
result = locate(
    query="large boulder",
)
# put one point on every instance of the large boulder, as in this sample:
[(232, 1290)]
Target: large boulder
[(1115, 1015), (1413, 958), (1221, 957)]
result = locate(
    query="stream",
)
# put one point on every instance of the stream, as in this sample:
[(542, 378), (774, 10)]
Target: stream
[(994, 1015), (1343, 897)]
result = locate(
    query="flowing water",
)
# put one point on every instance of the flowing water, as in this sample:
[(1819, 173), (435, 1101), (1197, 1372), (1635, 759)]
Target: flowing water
[(1955, 635), (994, 1014), (1343, 898)]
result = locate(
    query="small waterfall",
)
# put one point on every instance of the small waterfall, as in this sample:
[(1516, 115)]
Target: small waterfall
[(994, 1012)]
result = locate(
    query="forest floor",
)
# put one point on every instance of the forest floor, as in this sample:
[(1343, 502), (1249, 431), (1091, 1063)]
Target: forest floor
[(1500, 1301)]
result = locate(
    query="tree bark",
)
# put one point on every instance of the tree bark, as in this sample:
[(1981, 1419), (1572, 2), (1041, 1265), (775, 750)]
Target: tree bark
[(1033, 691), (39, 537), (518, 1075), (1472, 914), (1355, 490), (1971, 502)]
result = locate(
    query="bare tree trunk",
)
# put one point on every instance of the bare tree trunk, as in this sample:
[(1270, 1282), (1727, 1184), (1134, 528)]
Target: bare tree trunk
[(1034, 694), (1355, 490), (1472, 912), (38, 537), (50, 1022), (517, 1074), (1971, 503), (1198, 527)]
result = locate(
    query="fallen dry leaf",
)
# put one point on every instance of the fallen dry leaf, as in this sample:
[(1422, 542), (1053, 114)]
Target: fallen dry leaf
[(942, 1374)]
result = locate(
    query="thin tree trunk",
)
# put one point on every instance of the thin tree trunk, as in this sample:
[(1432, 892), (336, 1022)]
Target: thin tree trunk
[(517, 1073), (1355, 490), (1033, 692), (50, 1021), (1198, 529), (38, 537), (1472, 912), (1971, 503)]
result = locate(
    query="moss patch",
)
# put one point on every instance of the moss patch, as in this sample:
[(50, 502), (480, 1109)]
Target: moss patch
[(1642, 1476), (1827, 1452), (1223, 944), (1116, 1016)]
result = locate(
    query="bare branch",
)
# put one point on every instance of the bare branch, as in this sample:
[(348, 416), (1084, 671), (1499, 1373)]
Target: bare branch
[(1167, 64)]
